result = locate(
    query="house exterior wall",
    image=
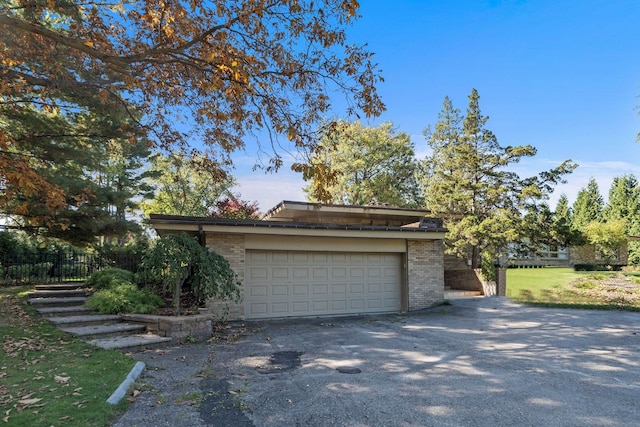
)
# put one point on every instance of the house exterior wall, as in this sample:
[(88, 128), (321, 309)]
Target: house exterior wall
[(587, 254), (425, 273), (424, 270), (232, 248)]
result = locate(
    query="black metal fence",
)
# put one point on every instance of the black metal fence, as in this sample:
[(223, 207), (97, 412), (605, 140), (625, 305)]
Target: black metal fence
[(59, 267)]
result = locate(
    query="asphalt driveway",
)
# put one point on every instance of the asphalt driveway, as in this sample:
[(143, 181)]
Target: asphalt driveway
[(478, 362)]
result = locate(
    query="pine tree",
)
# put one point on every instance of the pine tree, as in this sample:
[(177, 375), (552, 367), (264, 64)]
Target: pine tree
[(467, 181), (624, 204), (587, 207)]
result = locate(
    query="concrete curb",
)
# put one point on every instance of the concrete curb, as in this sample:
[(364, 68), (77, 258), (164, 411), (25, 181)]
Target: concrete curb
[(120, 392)]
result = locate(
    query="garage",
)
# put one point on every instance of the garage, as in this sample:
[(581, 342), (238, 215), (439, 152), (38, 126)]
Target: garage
[(314, 283), (308, 259)]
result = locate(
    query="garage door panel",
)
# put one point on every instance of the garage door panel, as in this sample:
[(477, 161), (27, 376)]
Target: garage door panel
[(295, 283), (279, 290), (357, 288), (280, 273), (301, 290), (339, 273), (322, 289), (279, 257)]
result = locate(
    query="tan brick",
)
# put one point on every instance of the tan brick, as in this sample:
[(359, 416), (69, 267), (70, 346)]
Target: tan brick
[(425, 273)]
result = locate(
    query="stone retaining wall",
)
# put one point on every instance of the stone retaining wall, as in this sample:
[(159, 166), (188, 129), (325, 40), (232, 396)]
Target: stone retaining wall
[(180, 328)]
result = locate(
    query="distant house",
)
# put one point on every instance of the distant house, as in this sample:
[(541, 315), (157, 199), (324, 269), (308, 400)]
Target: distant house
[(559, 256)]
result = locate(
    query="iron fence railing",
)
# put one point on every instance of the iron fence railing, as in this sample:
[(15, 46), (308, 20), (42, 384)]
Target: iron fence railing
[(59, 267)]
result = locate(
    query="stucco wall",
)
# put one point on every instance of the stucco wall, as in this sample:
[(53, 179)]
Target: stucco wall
[(425, 273)]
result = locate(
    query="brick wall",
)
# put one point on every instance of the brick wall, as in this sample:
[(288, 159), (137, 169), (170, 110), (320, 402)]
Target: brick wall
[(425, 273), (230, 246), (586, 254)]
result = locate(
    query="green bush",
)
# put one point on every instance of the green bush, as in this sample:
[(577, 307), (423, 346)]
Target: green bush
[(74, 270), (105, 278), (587, 285), (124, 297), (597, 267), (176, 260), (20, 271), (41, 269)]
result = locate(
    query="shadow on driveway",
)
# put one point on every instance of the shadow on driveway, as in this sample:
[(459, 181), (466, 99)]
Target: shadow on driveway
[(479, 362)]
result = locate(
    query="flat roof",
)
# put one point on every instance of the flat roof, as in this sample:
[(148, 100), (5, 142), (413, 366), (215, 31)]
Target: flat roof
[(194, 224), (291, 211)]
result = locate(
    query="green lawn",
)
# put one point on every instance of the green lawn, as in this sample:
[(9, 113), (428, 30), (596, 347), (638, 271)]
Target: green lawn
[(565, 287), (48, 378)]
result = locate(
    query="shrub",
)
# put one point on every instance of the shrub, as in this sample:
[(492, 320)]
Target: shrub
[(178, 259), (597, 267), (124, 297), (104, 278), (586, 285), (41, 270), (20, 271), (74, 270)]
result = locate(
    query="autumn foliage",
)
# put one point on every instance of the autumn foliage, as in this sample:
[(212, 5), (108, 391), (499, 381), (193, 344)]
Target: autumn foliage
[(174, 72)]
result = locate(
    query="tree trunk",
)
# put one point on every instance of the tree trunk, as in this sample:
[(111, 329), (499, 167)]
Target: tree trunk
[(176, 296)]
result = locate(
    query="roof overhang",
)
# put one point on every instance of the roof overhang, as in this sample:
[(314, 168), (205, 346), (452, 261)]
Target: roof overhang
[(167, 224), (308, 212)]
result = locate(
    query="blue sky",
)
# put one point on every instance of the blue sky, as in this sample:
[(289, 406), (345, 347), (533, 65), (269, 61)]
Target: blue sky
[(563, 76)]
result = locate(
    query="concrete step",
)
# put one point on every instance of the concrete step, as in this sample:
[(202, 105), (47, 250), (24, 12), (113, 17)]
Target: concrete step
[(57, 302), (105, 331), (73, 310), (60, 293), (60, 286), (85, 320), (136, 342), (456, 293)]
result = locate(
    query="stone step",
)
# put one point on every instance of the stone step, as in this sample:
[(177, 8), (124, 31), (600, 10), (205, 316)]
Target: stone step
[(85, 320), (60, 293), (136, 342), (73, 310), (60, 286), (456, 293), (57, 302), (105, 331)]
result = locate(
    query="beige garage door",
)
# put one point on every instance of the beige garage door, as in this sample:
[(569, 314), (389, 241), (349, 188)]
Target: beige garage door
[(294, 283)]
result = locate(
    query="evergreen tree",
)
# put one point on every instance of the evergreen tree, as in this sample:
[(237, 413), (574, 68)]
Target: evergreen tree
[(562, 232), (587, 207), (624, 204), (624, 199), (468, 183)]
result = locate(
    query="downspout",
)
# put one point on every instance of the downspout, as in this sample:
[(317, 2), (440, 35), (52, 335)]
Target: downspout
[(201, 236)]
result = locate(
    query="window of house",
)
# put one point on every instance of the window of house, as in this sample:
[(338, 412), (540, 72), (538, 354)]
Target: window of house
[(554, 252)]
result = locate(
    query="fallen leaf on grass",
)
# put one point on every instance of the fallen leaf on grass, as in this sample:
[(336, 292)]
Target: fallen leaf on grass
[(61, 380), (29, 401)]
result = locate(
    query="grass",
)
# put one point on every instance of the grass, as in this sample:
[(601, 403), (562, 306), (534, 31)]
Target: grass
[(564, 287), (47, 377)]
